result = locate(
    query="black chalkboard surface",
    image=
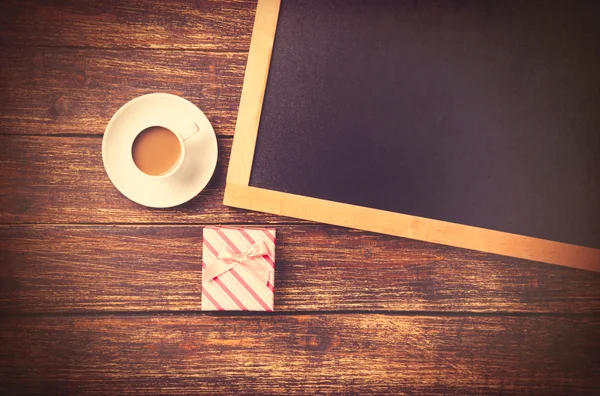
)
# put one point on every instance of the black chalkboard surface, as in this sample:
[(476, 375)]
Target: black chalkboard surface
[(482, 113)]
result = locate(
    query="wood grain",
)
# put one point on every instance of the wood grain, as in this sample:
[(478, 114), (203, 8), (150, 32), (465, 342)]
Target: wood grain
[(62, 180), (301, 354), (76, 91), (319, 268), (174, 24)]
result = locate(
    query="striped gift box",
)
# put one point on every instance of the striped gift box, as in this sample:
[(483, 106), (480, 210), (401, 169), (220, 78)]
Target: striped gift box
[(243, 260)]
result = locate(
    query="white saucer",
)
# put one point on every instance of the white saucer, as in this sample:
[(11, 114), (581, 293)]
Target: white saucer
[(166, 110)]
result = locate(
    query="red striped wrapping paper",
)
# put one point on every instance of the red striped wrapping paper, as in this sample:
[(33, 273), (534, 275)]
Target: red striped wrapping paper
[(241, 288)]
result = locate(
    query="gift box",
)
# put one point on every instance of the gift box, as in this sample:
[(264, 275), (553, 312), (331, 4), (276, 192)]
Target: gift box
[(238, 269)]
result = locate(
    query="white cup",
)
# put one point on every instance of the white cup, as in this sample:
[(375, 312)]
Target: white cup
[(183, 131)]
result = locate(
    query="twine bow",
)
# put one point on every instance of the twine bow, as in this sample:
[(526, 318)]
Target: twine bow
[(228, 259)]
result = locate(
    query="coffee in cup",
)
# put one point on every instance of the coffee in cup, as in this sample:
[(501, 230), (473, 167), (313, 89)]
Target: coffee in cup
[(156, 151)]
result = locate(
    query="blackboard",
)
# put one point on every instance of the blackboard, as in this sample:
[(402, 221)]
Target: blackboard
[(482, 115)]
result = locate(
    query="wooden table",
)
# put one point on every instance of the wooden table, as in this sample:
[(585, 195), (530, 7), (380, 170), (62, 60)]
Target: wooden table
[(101, 295)]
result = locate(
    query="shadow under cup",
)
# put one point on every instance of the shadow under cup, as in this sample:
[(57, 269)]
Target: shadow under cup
[(156, 151)]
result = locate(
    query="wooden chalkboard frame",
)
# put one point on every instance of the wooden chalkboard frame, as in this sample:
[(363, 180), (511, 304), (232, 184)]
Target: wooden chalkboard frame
[(238, 192)]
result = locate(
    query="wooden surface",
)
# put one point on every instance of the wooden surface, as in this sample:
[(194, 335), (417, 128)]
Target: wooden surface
[(333, 353), (99, 295)]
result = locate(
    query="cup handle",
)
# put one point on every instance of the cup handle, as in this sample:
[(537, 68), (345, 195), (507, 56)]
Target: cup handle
[(189, 131)]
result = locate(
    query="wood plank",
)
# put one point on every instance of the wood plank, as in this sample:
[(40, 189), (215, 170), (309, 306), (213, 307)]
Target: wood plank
[(62, 180), (76, 91), (311, 354), (409, 226), (319, 268), (207, 24)]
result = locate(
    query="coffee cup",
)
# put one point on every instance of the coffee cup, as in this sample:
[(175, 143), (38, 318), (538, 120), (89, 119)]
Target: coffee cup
[(159, 150)]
